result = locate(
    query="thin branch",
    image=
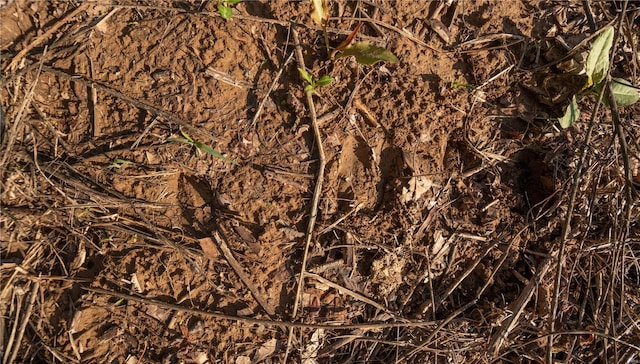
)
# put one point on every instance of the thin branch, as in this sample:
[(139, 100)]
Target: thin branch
[(273, 85), (224, 248), (316, 192), (23, 325), (253, 321), (354, 294), (41, 38)]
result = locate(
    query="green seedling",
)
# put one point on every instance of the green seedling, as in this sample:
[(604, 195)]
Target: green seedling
[(225, 8), (365, 53), (119, 163), (201, 147), (463, 85), (312, 82), (596, 67)]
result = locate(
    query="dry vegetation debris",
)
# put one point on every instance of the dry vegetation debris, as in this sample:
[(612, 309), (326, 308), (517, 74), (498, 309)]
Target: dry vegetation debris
[(170, 193)]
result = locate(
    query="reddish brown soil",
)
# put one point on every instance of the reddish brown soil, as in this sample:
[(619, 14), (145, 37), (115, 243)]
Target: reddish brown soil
[(447, 181)]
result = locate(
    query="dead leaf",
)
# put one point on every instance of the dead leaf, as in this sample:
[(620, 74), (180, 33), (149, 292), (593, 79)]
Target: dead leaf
[(319, 14), (200, 357), (417, 186), (103, 26), (158, 313), (266, 350), (243, 360), (347, 41), (209, 248), (135, 283), (80, 257), (75, 323), (440, 29), (310, 352), (245, 234)]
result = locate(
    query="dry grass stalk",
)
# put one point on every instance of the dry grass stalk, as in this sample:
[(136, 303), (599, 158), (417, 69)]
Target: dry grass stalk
[(353, 294), (41, 38), (252, 321), (224, 248), (317, 190)]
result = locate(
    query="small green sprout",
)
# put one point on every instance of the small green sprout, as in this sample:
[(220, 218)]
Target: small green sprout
[(225, 9), (119, 163), (311, 81), (597, 66), (200, 146), (368, 54), (463, 85)]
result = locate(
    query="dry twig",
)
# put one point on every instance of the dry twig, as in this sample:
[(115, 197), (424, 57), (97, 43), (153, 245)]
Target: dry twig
[(316, 193), (44, 36), (276, 79), (252, 321), (222, 245)]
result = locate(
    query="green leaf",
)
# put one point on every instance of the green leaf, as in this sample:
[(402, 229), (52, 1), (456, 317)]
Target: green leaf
[(306, 76), (324, 80), (233, 2), (181, 140), (186, 136), (309, 88), (368, 54), (225, 11), (571, 115), (117, 163), (624, 93), (598, 58), (213, 152), (465, 85)]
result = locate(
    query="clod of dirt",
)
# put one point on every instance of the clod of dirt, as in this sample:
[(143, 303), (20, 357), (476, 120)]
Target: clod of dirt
[(387, 274)]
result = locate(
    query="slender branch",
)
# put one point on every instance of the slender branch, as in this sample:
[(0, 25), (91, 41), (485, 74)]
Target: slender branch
[(316, 192), (273, 86), (253, 321)]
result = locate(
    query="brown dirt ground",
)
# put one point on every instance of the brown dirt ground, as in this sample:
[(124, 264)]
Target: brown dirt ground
[(447, 183)]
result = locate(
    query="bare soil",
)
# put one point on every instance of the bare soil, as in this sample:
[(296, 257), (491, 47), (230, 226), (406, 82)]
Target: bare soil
[(451, 226)]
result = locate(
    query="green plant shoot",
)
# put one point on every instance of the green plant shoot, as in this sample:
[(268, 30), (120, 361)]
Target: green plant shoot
[(225, 8), (201, 146), (118, 163), (598, 59), (368, 54), (571, 114), (312, 82), (597, 66)]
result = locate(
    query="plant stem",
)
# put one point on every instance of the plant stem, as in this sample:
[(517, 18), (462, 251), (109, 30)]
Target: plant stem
[(326, 37)]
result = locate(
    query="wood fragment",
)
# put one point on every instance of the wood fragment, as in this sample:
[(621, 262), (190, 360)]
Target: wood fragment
[(252, 321), (354, 294), (224, 249), (497, 340), (44, 36), (316, 193)]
